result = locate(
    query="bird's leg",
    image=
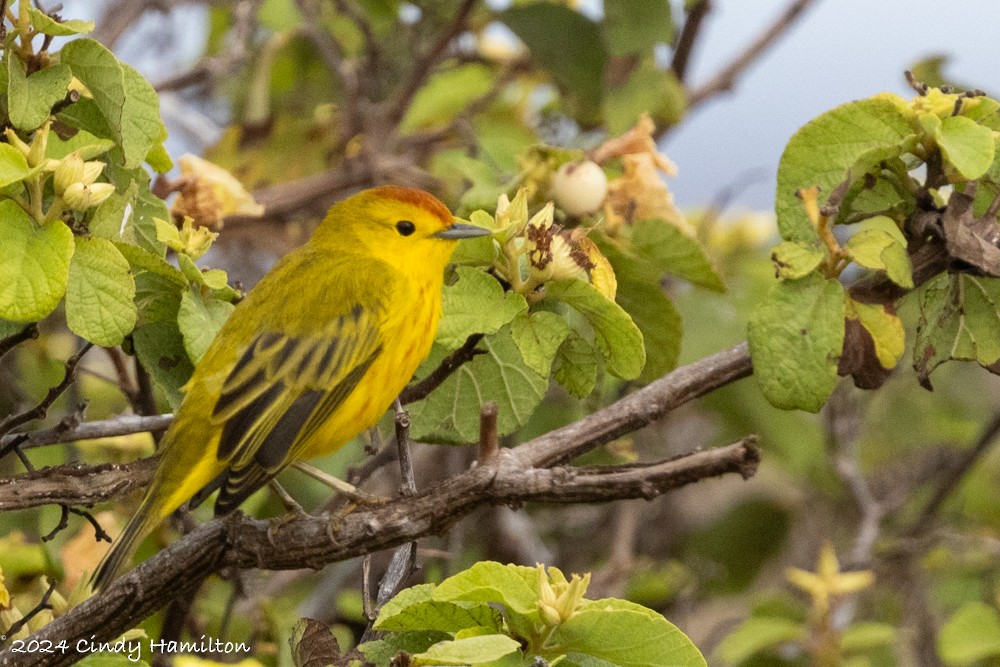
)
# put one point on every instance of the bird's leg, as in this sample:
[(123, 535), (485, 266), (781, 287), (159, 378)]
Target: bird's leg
[(292, 508), (339, 486), (291, 505)]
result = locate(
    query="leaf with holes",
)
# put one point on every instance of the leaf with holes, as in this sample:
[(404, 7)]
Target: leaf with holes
[(959, 319)]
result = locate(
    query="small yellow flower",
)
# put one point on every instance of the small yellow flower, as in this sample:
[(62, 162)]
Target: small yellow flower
[(828, 581), (559, 599)]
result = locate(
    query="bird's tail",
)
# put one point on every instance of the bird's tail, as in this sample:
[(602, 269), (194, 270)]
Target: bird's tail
[(124, 548)]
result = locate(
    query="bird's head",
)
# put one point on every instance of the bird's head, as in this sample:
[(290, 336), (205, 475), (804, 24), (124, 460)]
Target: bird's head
[(404, 227)]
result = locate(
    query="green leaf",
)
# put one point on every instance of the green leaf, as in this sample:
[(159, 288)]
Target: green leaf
[(160, 348), (30, 98), (966, 145), (86, 115), (658, 321), (538, 337), (667, 248), (477, 303), (451, 412), (648, 89), (412, 613), (795, 259), (382, 651), (628, 635), (865, 636), (83, 142), (959, 319), (635, 26), (757, 634), (99, 298), (13, 165), (141, 127), (45, 24), (576, 365), (971, 635), (513, 586), (199, 320), (568, 46), (822, 151), (617, 336), (445, 95), (34, 264), (8, 329), (104, 77), (140, 258), (113, 218), (468, 651), (796, 338), (882, 251), (157, 340)]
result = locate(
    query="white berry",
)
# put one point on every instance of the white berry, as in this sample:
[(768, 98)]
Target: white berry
[(579, 188)]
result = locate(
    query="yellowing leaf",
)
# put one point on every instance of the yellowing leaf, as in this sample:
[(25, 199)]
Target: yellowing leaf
[(886, 330), (34, 264)]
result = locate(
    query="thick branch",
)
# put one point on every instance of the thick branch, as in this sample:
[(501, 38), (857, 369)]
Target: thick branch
[(74, 485), (628, 414), (640, 408), (238, 541), (727, 76)]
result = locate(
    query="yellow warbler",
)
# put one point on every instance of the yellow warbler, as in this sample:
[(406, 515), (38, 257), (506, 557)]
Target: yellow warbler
[(313, 355)]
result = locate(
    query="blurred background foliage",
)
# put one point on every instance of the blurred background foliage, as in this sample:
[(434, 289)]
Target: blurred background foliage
[(305, 101)]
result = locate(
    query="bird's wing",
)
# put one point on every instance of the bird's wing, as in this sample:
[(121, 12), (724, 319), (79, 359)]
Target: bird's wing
[(281, 390)]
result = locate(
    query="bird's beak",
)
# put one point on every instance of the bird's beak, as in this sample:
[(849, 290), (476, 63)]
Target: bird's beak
[(461, 230)]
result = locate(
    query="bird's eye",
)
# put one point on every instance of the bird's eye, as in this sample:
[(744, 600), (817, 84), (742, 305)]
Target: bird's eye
[(405, 227)]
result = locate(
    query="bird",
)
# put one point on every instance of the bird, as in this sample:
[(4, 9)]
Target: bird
[(313, 355)]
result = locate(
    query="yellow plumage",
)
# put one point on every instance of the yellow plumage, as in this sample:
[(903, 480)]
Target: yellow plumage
[(314, 355)]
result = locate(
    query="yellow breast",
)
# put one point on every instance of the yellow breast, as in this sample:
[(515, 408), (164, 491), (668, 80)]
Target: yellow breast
[(407, 343)]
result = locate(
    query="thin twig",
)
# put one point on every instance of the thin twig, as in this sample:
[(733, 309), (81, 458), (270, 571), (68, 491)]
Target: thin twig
[(42, 605), (425, 63), (448, 365), (10, 342), (726, 78), (953, 476), (689, 37), (40, 410), (106, 428)]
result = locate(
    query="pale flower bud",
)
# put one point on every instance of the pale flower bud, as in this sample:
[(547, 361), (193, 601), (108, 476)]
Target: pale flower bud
[(69, 171), (81, 197), (91, 170)]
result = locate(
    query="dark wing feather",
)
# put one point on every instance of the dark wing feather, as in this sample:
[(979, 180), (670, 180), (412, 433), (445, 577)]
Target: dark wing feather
[(280, 392)]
